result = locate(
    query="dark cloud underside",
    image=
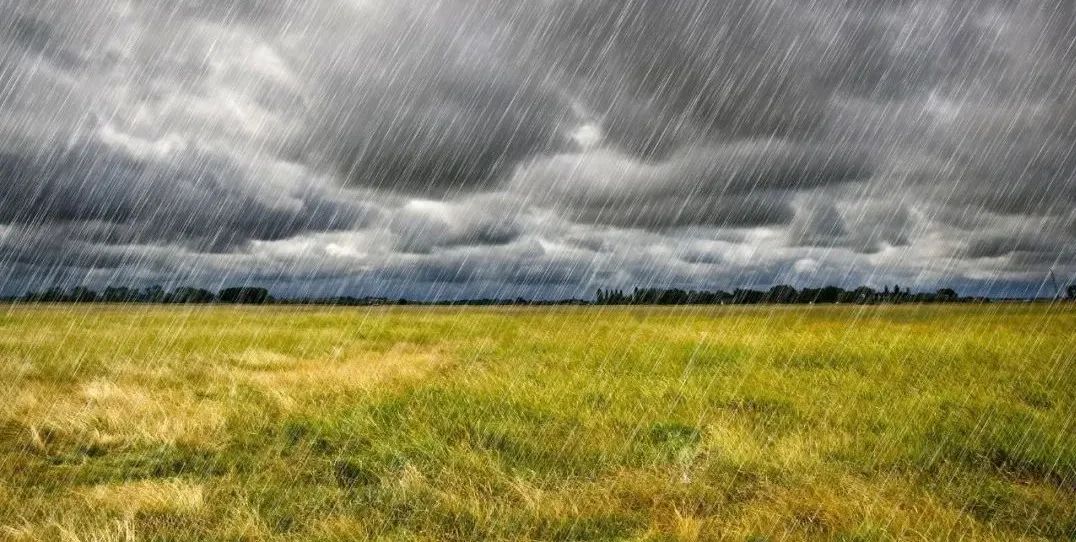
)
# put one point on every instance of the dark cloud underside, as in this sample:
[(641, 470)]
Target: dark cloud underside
[(553, 144)]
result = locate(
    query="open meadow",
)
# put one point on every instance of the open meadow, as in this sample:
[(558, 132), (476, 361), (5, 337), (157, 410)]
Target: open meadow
[(574, 423)]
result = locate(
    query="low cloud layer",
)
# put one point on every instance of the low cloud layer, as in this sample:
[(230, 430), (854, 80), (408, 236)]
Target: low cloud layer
[(539, 148)]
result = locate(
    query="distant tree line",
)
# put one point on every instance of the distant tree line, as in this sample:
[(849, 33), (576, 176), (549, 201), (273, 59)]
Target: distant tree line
[(484, 301), (246, 295), (778, 294), (152, 294)]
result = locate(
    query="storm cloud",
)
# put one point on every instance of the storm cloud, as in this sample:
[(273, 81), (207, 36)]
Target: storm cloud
[(539, 147)]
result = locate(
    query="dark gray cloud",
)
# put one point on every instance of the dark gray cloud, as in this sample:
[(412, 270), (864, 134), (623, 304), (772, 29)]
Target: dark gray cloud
[(821, 225), (867, 227), (561, 141), (747, 183), (197, 200), (432, 101), (423, 226), (992, 247)]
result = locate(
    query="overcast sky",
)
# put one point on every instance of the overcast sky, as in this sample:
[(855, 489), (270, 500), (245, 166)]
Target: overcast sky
[(541, 148)]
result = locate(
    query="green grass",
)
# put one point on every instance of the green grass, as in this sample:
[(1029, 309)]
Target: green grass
[(746, 423)]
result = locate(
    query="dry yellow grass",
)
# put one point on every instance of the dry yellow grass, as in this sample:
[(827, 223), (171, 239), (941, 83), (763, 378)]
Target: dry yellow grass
[(765, 423), (173, 496)]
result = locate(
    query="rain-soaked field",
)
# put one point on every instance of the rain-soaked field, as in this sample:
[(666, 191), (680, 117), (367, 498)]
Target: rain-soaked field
[(763, 423)]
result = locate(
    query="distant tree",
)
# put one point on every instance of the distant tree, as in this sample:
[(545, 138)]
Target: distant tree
[(153, 294), (829, 294), (51, 295), (244, 294), (114, 294), (946, 295), (719, 297), (747, 297), (807, 295), (782, 293), (617, 298), (863, 294), (1071, 291), (191, 295), (600, 296), (82, 294)]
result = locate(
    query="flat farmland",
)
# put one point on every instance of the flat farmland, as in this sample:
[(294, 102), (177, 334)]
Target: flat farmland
[(576, 423)]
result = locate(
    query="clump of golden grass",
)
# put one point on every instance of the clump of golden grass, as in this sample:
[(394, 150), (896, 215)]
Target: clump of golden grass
[(743, 423), (147, 497)]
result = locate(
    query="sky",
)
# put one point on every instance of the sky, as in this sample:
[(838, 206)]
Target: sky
[(546, 148)]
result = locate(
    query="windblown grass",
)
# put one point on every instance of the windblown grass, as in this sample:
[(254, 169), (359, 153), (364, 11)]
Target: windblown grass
[(746, 423)]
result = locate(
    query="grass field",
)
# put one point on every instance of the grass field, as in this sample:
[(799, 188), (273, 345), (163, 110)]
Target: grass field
[(746, 423)]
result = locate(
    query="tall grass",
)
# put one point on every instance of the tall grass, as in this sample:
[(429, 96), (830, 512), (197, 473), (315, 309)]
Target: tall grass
[(740, 423)]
